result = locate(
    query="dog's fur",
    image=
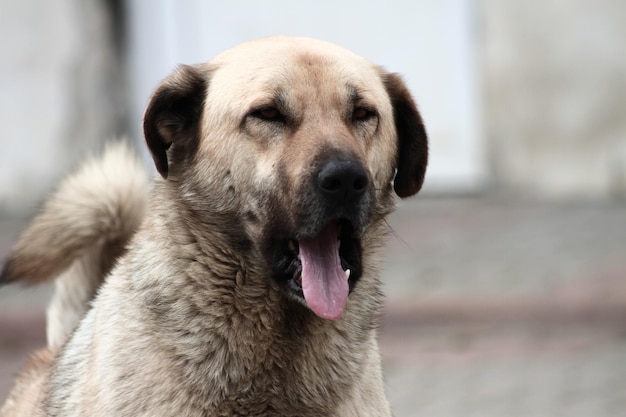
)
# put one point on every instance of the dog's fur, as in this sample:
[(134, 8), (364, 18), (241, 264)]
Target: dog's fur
[(201, 312)]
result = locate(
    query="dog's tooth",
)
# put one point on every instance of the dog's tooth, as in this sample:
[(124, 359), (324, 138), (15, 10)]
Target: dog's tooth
[(347, 274)]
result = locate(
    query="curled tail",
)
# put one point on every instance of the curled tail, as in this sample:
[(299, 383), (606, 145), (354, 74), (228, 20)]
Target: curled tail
[(78, 235)]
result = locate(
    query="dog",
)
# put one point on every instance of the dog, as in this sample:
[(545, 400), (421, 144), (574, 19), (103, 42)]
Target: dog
[(243, 280)]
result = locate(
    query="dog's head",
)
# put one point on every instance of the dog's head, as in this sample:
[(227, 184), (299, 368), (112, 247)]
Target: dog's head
[(300, 141)]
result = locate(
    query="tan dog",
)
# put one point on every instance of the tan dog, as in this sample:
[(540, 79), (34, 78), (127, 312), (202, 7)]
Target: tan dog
[(247, 281)]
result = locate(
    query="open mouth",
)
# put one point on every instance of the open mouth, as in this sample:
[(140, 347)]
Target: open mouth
[(320, 270)]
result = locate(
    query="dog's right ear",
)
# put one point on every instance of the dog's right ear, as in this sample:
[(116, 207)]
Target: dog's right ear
[(172, 117)]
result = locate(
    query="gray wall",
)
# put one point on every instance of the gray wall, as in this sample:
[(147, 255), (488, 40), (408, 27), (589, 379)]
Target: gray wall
[(555, 96), (59, 92)]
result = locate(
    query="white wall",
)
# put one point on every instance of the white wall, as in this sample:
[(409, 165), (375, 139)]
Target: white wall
[(552, 79), (430, 42)]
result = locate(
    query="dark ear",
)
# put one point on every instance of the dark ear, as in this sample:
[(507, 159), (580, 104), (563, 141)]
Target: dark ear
[(412, 155), (173, 115)]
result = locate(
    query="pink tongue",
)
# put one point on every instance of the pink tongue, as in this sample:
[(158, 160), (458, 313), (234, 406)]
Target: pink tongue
[(324, 282)]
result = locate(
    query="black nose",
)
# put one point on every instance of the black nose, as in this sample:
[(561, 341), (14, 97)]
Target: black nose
[(342, 179)]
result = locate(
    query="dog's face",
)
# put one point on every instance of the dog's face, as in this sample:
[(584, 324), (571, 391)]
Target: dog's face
[(299, 141)]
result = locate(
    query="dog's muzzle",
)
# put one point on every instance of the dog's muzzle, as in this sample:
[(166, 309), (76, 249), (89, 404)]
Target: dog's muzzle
[(321, 261)]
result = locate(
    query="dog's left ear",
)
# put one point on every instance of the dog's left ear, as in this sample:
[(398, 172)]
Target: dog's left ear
[(412, 151), (172, 117)]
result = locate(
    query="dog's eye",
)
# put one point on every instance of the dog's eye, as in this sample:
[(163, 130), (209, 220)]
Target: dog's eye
[(361, 114), (268, 114)]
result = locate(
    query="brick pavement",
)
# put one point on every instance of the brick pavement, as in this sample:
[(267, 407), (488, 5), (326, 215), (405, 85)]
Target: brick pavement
[(495, 308)]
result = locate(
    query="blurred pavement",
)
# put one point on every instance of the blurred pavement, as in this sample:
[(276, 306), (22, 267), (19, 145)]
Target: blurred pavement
[(495, 308), (503, 308)]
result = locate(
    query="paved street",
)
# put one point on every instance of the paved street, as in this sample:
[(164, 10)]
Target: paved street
[(495, 308)]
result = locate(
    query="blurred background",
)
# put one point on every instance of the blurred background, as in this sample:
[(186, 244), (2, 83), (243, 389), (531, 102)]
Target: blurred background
[(506, 276)]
